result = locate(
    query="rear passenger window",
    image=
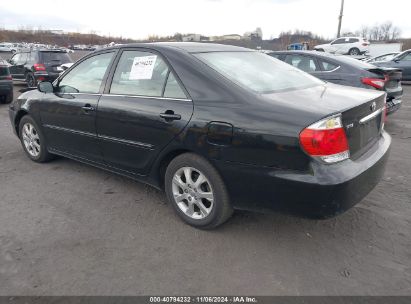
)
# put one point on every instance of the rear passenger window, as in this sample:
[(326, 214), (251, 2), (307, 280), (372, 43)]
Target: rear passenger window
[(173, 89), (140, 73), (327, 66), (305, 63)]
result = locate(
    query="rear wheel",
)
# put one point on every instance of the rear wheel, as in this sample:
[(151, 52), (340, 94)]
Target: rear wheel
[(320, 50), (197, 192), (8, 98), (33, 141), (354, 52), (31, 80)]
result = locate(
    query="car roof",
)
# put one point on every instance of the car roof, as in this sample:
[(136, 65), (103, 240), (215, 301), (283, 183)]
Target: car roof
[(189, 47)]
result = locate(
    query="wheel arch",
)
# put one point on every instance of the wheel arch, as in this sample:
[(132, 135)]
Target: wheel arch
[(158, 174), (20, 114)]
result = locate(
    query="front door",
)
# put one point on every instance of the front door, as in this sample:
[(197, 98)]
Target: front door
[(144, 109), (17, 63), (68, 115)]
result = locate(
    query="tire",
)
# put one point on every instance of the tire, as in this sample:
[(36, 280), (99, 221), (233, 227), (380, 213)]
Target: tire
[(320, 50), (354, 52), (205, 206), (31, 80), (8, 98), (33, 141)]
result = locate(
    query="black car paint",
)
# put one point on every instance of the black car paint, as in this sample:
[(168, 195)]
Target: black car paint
[(251, 139), (350, 75), (6, 84), (398, 63)]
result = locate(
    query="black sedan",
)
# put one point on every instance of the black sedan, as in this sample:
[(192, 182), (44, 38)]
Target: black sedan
[(348, 71), (218, 127), (401, 61)]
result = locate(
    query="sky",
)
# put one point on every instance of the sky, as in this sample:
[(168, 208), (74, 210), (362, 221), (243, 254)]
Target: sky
[(138, 19)]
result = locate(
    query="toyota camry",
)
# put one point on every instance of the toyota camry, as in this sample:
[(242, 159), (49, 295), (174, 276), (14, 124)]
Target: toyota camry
[(217, 127)]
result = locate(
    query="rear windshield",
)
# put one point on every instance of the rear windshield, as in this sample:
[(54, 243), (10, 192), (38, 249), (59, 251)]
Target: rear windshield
[(53, 57), (258, 72), (355, 62), (4, 71)]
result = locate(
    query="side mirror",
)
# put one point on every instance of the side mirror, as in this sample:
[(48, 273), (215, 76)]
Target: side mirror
[(45, 87)]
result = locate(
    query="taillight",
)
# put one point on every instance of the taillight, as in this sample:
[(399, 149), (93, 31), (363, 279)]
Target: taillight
[(326, 140), (8, 77), (365, 44), (39, 67), (374, 82)]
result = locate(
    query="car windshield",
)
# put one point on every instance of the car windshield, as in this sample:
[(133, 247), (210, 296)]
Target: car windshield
[(258, 72), (61, 57)]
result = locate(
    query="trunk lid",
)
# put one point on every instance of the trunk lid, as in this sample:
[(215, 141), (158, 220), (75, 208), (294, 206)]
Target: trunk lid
[(392, 78), (361, 111)]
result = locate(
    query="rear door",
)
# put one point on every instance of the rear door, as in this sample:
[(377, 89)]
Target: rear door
[(69, 114), (143, 109), (305, 63)]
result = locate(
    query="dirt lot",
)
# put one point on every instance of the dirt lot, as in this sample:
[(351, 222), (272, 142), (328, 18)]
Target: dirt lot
[(70, 229)]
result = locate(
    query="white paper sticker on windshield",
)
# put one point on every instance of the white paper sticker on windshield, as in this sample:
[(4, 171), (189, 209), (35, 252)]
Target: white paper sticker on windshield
[(142, 67)]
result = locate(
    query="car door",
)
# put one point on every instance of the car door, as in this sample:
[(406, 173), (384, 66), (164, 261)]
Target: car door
[(143, 109), (17, 63), (68, 115), (338, 46)]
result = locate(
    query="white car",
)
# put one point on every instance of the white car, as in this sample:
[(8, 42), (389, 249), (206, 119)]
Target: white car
[(345, 46), (7, 47)]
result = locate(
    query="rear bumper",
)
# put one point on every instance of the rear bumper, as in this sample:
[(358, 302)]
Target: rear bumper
[(46, 76), (323, 191)]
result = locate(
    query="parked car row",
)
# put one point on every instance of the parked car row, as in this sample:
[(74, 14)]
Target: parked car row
[(217, 127)]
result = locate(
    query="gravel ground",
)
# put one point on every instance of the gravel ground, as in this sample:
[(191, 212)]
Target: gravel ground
[(71, 229)]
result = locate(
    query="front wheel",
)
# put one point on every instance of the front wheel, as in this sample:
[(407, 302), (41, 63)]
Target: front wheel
[(33, 141), (197, 192)]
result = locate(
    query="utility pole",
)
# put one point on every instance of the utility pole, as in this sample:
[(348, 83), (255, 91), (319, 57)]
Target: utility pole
[(340, 19)]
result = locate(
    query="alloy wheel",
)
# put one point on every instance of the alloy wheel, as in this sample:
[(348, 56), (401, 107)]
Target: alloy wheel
[(193, 193), (31, 139)]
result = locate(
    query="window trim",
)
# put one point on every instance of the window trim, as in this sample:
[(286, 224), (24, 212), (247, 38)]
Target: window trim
[(330, 71), (56, 82), (110, 76)]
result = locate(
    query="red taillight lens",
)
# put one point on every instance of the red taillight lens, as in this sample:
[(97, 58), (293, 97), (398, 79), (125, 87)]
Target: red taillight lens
[(326, 140), (374, 82), (8, 77), (39, 67)]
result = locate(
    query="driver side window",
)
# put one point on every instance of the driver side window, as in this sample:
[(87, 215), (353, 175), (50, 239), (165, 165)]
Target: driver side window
[(86, 77)]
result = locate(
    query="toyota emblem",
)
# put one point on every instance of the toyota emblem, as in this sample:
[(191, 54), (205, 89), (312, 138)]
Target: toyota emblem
[(373, 106)]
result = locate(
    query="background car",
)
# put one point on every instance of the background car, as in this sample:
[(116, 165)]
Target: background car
[(38, 65), (6, 83), (348, 71), (203, 120), (7, 47), (384, 57), (345, 46), (401, 61)]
